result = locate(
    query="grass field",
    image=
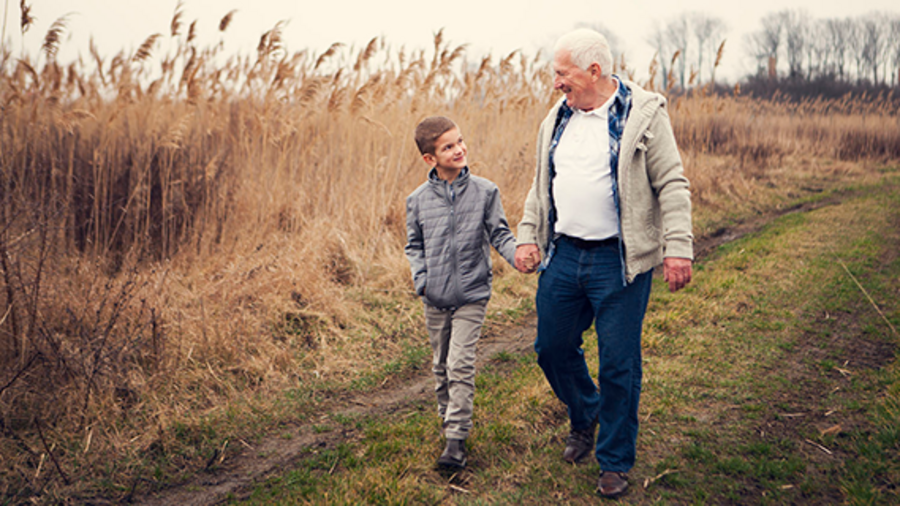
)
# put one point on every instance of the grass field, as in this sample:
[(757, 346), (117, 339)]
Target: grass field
[(771, 380)]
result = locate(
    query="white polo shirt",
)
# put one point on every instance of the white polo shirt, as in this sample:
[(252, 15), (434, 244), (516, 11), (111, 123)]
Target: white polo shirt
[(582, 188)]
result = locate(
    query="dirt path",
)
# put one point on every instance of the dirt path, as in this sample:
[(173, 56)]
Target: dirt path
[(235, 475)]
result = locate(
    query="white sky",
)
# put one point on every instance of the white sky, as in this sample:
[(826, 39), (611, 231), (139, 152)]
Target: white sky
[(488, 26)]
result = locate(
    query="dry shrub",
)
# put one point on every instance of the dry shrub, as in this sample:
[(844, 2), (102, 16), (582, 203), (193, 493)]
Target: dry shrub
[(869, 141), (84, 351), (736, 147)]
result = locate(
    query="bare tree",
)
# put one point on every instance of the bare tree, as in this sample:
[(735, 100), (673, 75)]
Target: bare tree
[(796, 28), (895, 50), (708, 32), (875, 32), (678, 32), (818, 52), (860, 48), (755, 46), (664, 51), (855, 44), (837, 36), (769, 40)]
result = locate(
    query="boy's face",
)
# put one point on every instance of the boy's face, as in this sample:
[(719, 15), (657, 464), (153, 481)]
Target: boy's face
[(449, 152)]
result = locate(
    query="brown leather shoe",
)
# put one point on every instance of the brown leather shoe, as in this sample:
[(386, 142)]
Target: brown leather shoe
[(612, 484), (579, 444)]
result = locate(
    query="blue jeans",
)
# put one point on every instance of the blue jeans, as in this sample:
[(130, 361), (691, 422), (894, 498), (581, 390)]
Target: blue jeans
[(578, 287)]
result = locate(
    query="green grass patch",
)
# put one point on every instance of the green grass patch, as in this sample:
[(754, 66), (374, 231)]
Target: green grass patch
[(771, 380)]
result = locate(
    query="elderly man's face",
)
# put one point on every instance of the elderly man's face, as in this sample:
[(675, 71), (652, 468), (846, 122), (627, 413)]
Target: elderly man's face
[(579, 85)]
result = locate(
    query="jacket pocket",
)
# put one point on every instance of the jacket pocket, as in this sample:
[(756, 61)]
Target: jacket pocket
[(651, 228)]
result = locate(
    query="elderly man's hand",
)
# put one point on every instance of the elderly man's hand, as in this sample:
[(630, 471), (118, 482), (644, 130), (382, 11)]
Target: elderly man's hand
[(528, 257), (677, 272)]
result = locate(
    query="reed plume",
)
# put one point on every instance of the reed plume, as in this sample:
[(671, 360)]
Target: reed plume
[(330, 52), (192, 32), (226, 20), (175, 25), (51, 39), (146, 48), (26, 19)]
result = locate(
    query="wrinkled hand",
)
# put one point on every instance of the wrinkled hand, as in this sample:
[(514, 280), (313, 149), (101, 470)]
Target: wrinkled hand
[(676, 271), (528, 257)]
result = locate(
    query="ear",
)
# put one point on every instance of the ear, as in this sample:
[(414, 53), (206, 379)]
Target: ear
[(430, 159), (595, 70)]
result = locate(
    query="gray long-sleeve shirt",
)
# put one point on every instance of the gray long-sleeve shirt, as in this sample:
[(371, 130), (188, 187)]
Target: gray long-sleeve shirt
[(450, 229)]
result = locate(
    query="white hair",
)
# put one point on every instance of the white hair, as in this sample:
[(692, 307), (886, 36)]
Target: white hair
[(586, 46)]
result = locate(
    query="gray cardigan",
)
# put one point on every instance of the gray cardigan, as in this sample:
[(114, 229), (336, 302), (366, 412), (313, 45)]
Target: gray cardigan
[(449, 240), (654, 197)]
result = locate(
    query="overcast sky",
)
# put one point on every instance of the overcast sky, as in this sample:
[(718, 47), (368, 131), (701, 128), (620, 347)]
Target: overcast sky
[(488, 26)]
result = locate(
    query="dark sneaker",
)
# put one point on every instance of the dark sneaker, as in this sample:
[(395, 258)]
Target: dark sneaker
[(454, 455), (579, 444), (612, 484)]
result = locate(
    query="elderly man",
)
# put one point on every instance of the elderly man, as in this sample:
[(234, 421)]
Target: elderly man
[(609, 202)]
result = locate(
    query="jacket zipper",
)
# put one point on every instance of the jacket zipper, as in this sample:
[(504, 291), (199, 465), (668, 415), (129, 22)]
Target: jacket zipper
[(642, 128), (454, 253)]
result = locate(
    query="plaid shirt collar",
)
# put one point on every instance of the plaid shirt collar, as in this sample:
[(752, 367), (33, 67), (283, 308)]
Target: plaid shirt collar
[(618, 110)]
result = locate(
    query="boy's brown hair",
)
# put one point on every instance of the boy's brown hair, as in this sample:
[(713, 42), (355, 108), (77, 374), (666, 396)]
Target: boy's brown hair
[(429, 129)]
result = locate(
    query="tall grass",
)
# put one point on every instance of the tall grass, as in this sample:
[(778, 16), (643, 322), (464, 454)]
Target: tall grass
[(181, 231)]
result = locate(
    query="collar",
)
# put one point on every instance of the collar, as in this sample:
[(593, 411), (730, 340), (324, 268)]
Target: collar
[(618, 100), (461, 178)]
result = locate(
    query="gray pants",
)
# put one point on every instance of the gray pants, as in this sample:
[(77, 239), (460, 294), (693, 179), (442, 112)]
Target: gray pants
[(454, 334)]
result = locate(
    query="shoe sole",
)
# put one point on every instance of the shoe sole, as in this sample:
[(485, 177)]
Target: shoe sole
[(452, 465), (578, 458), (613, 496)]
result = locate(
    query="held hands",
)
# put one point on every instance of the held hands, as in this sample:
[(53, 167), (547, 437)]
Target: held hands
[(528, 258), (676, 272)]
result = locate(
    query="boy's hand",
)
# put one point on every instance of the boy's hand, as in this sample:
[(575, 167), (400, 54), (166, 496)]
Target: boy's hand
[(528, 257)]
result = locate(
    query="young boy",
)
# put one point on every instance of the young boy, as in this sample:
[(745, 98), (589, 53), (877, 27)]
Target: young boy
[(452, 221)]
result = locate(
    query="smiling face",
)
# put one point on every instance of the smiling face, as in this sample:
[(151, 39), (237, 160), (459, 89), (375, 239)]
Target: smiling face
[(450, 154), (579, 85)]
